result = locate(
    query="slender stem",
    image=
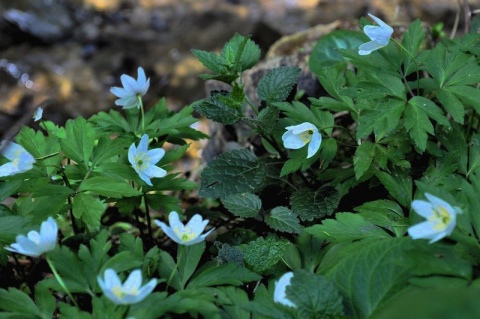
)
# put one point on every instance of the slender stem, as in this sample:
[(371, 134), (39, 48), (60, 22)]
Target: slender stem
[(180, 254), (142, 111), (69, 200), (414, 60), (60, 281), (254, 108), (147, 216)]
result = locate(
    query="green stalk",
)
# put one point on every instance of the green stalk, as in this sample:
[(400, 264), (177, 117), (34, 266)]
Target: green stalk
[(60, 281), (414, 60), (142, 111), (180, 254)]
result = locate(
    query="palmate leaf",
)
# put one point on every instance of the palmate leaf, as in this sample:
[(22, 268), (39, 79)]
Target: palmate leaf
[(237, 171), (80, 140), (368, 272), (315, 296), (382, 120), (89, 209)]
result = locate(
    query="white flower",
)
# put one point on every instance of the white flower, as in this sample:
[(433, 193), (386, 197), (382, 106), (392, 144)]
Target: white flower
[(37, 115), (21, 160), (35, 244), (440, 215), (144, 160), (380, 35), (188, 234), (130, 292), (280, 293), (298, 136), (132, 90)]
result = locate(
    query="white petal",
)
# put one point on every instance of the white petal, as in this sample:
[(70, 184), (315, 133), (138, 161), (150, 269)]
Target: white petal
[(314, 144), (438, 202), (368, 47), (111, 279), (12, 150), (168, 231), (119, 92), (174, 220), (155, 171), (422, 208), (197, 224), (141, 79), (292, 141), (134, 281), (146, 290), (8, 169), (381, 23), (132, 152), (145, 177), (129, 84), (377, 34), (280, 294), (300, 128), (156, 155), (422, 230), (143, 145)]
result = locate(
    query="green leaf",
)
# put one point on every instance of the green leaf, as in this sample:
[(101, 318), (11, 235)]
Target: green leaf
[(188, 258), (245, 51), (228, 254), (79, 142), (412, 39), (221, 107), (386, 214), (284, 220), (468, 95), (363, 158), (212, 274), (346, 227), (368, 272), (418, 125), (309, 205), (237, 171), (276, 85), (108, 187), (260, 255), (11, 226), (107, 148), (382, 120), (211, 61), (452, 104), (18, 303), (299, 112), (89, 209), (399, 185), (265, 121), (325, 52), (243, 204), (315, 297)]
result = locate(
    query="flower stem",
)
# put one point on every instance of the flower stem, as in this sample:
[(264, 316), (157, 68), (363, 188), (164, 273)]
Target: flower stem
[(414, 60), (179, 257), (60, 281), (142, 111), (147, 216)]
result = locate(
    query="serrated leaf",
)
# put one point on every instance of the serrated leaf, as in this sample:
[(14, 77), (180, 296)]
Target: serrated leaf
[(211, 61), (368, 272), (382, 120), (412, 39), (219, 109), (243, 204), (276, 85), (212, 274), (260, 255), (468, 95), (284, 220), (237, 171), (265, 121), (452, 104), (18, 304), (363, 158), (89, 209), (346, 227), (386, 214), (309, 205), (325, 52), (399, 185), (418, 125), (108, 187), (314, 296), (79, 142)]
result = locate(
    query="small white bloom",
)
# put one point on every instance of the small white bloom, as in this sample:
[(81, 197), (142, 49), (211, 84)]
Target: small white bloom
[(37, 115), (380, 35), (132, 89), (299, 135), (21, 160), (440, 215), (144, 160), (188, 234), (280, 293), (35, 243), (130, 292)]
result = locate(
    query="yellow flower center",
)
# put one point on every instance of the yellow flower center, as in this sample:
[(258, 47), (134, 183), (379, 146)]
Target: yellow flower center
[(440, 218), (142, 161), (120, 293), (186, 235), (306, 136)]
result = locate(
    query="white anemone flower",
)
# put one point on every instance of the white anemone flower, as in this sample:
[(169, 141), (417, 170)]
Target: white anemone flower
[(37, 115), (144, 160), (21, 160), (299, 135), (280, 293), (132, 90), (130, 292), (188, 234), (35, 243), (440, 215), (380, 35)]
